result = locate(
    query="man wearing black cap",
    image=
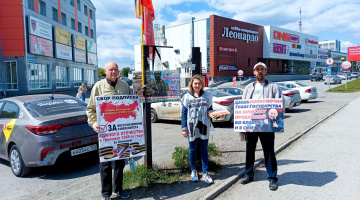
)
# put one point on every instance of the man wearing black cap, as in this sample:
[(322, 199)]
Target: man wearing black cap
[(261, 89)]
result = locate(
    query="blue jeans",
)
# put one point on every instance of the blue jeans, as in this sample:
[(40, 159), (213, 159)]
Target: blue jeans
[(204, 154), (83, 97)]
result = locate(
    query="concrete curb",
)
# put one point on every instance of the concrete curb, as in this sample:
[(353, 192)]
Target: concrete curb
[(231, 180)]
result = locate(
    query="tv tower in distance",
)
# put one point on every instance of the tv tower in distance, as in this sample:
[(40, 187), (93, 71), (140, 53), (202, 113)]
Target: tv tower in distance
[(300, 20)]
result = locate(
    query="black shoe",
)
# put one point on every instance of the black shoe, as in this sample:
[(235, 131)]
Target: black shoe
[(246, 180), (273, 185)]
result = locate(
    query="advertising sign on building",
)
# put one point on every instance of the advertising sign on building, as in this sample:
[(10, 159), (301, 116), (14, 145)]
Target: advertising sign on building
[(63, 51), (258, 115), (79, 56), (79, 42), (237, 33), (228, 49), (62, 36), (121, 133), (91, 47), (40, 28), (41, 46), (354, 53), (279, 48), (346, 66), (92, 58), (161, 86), (227, 68)]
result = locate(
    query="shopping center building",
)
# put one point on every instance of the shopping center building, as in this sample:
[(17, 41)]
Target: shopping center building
[(46, 46)]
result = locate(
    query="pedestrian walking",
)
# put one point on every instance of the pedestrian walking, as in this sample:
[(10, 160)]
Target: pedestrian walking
[(111, 85), (261, 89), (82, 91)]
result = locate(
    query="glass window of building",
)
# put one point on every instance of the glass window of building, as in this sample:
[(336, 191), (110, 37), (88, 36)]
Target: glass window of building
[(86, 31), (31, 5), (91, 13), (79, 27), (73, 24), (42, 7), (62, 77), (91, 33), (38, 76), (72, 2), (78, 77), (85, 10), (63, 19), (11, 76), (55, 14), (78, 5), (89, 77)]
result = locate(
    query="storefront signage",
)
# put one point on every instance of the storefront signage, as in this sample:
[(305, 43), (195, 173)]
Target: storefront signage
[(91, 47), (286, 37), (323, 52), (40, 28), (227, 68), (241, 34), (354, 53), (79, 42), (310, 55), (279, 48), (228, 49), (296, 46), (79, 55), (92, 58), (297, 54), (31, 59), (62, 36), (346, 66), (323, 56), (41, 46), (307, 41), (63, 51)]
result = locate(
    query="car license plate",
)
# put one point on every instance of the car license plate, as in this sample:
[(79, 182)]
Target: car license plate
[(82, 150)]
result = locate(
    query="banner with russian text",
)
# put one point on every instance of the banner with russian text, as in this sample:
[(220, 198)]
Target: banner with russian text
[(258, 115), (121, 133)]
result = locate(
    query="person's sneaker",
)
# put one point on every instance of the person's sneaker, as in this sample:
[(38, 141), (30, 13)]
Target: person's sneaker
[(207, 178), (273, 185), (122, 194), (194, 175), (246, 180), (106, 198)]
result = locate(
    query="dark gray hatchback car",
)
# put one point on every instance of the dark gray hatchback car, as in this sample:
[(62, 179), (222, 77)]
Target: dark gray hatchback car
[(37, 129)]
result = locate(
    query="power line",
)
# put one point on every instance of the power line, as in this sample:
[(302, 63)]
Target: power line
[(259, 6)]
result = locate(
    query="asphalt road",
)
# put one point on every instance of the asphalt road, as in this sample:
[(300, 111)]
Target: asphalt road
[(79, 178)]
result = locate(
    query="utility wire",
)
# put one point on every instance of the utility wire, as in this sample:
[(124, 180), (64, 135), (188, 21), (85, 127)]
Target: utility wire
[(259, 6)]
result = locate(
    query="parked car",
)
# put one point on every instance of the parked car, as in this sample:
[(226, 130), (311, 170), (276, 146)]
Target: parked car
[(332, 79), (233, 90), (38, 129), (342, 76), (354, 75), (172, 110), (306, 92), (291, 96), (316, 77), (348, 76)]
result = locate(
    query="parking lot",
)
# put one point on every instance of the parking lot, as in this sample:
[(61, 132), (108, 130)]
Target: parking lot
[(79, 179)]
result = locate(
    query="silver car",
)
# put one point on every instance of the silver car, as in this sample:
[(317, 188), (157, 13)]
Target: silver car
[(332, 79), (291, 96), (38, 129)]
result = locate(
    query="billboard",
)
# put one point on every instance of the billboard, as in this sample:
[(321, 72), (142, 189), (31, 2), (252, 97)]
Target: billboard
[(79, 56), (62, 36), (40, 28), (91, 58), (79, 42), (41, 46), (354, 53), (161, 86), (63, 51), (91, 47)]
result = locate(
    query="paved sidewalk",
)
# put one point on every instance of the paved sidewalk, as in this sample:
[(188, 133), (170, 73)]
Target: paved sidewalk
[(323, 164)]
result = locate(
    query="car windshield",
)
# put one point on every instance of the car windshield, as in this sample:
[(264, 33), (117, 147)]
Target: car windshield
[(218, 93), (47, 107), (302, 85), (282, 88)]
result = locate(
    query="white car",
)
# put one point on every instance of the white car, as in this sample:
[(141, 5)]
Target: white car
[(306, 92), (291, 96)]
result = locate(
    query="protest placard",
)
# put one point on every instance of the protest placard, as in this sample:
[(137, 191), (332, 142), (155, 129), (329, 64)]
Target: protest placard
[(258, 115), (121, 127)]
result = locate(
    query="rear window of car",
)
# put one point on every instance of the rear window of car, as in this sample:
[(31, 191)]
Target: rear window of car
[(302, 85), (47, 107), (218, 93)]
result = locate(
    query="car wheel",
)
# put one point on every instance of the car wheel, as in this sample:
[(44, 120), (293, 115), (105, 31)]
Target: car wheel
[(154, 117), (16, 162)]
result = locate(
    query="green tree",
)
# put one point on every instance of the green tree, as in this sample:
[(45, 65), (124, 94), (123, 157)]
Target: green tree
[(101, 72), (125, 71)]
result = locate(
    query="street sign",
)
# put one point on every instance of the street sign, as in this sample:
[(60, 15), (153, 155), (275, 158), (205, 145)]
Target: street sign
[(240, 73), (329, 61), (328, 70)]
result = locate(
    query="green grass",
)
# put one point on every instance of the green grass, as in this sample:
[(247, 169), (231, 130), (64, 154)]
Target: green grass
[(352, 86)]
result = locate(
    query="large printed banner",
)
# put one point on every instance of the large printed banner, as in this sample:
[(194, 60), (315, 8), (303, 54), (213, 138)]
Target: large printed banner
[(79, 56), (91, 46), (41, 46), (121, 133), (79, 42), (258, 115), (40, 28), (63, 51), (62, 36), (161, 86), (92, 58)]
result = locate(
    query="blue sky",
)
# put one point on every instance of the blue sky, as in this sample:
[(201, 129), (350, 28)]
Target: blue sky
[(118, 30)]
